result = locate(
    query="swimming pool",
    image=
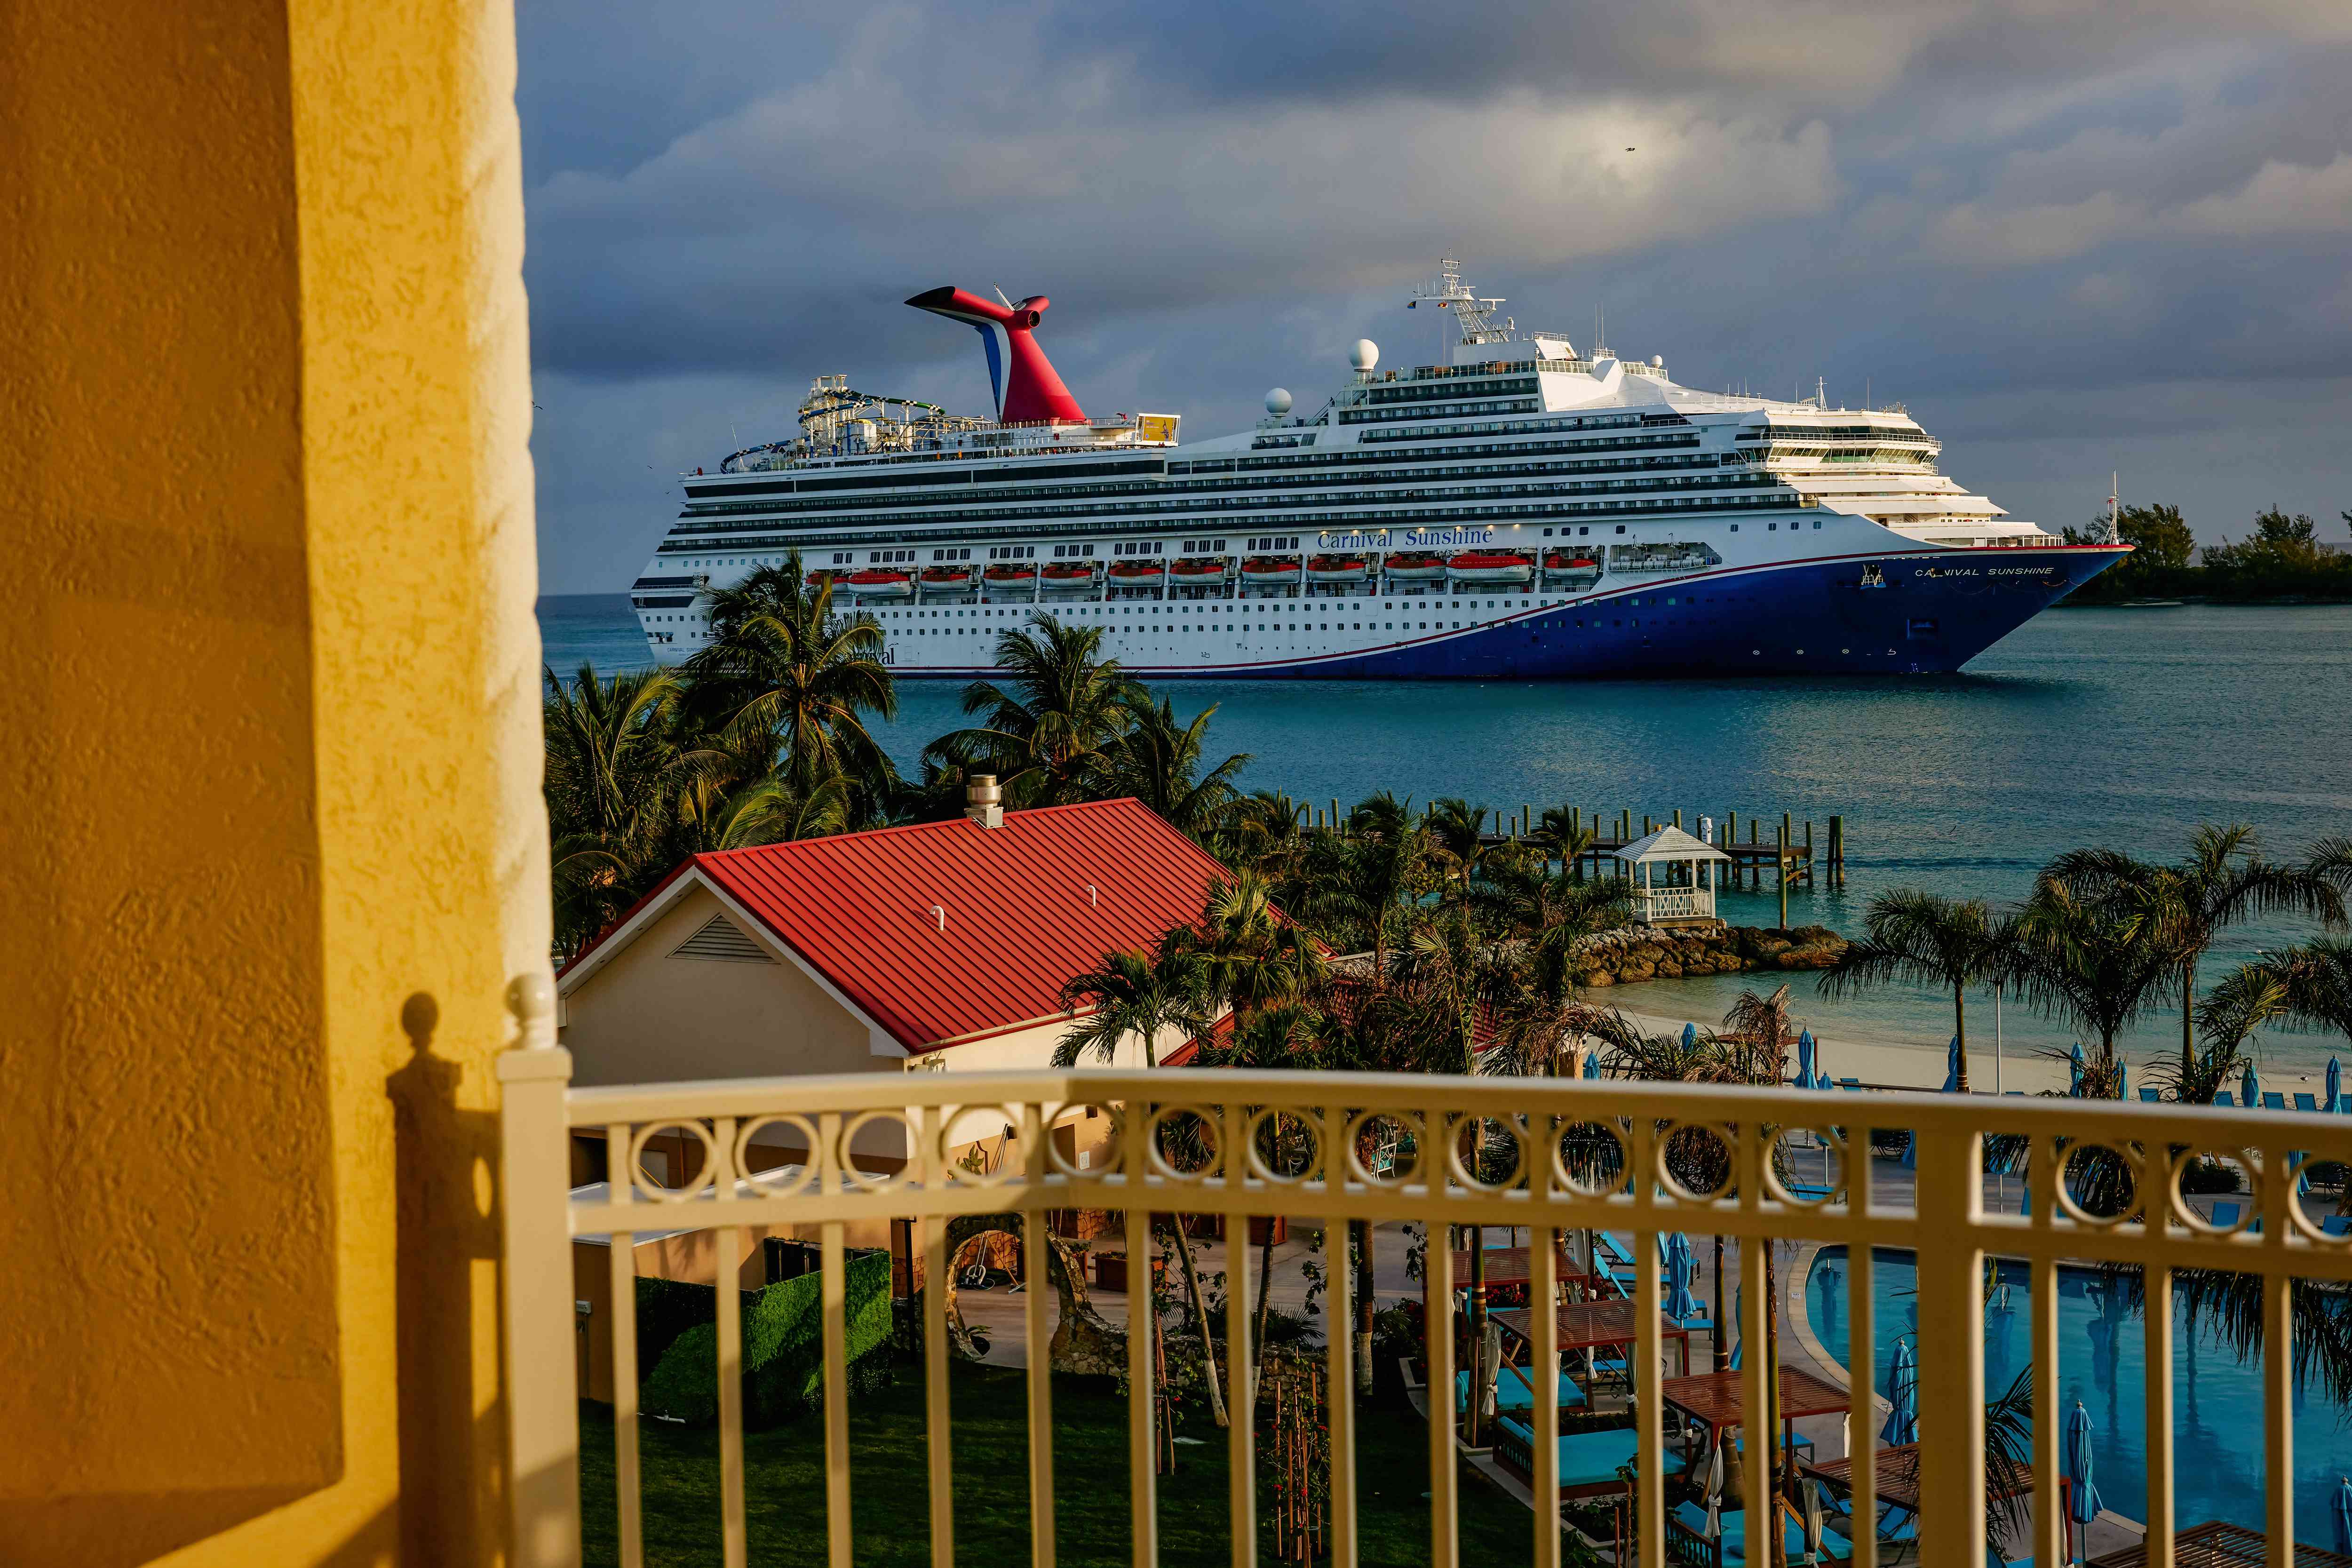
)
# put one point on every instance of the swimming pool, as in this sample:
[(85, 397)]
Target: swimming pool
[(2217, 1400)]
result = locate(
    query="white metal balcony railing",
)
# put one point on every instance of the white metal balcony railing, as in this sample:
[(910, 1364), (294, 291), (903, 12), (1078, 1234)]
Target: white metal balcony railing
[(1652, 904), (1947, 1227)]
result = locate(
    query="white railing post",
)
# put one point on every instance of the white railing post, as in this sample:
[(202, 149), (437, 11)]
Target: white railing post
[(534, 1195), (1951, 1353)]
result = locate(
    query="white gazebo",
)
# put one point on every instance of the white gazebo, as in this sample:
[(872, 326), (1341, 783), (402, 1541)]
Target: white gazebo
[(1684, 893)]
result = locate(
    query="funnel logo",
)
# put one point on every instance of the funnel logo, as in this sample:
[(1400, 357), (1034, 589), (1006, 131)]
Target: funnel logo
[(1024, 381)]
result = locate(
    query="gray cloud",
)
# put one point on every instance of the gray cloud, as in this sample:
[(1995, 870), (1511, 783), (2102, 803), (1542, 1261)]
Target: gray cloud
[(2057, 229)]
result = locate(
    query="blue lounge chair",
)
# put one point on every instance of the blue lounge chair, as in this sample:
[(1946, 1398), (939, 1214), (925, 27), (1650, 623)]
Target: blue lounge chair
[(2306, 1102), (2226, 1215), (1589, 1461), (2273, 1100), (2226, 1099), (1852, 1083), (1514, 1393), (2151, 1097), (2337, 1224), (1689, 1520)]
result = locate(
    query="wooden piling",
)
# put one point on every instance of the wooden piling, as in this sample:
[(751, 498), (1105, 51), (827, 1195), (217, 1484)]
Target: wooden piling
[(1783, 857)]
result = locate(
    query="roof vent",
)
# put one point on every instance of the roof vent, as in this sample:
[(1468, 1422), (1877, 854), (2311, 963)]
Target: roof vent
[(983, 801), (722, 940)]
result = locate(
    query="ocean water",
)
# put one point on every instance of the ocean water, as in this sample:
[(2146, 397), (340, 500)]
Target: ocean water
[(2217, 1399), (2117, 727)]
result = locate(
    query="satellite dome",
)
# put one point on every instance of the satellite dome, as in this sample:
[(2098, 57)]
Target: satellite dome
[(1365, 354), (1658, 361), (1278, 400)]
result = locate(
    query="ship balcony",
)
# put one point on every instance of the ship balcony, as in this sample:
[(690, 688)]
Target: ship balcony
[(1556, 1158)]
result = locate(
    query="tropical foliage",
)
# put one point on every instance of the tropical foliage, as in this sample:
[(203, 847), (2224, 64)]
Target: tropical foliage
[(769, 733)]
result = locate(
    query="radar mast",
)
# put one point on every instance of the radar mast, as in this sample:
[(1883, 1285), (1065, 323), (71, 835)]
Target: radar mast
[(1474, 313)]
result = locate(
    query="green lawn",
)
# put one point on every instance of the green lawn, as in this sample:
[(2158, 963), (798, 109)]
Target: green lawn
[(890, 1496)]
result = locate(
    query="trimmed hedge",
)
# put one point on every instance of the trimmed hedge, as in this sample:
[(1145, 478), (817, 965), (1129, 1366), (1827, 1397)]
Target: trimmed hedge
[(783, 1355)]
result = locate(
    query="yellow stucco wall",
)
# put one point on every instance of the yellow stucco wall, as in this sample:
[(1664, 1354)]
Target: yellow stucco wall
[(274, 841)]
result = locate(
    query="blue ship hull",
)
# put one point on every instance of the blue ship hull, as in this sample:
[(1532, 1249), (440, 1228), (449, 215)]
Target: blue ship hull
[(1931, 616)]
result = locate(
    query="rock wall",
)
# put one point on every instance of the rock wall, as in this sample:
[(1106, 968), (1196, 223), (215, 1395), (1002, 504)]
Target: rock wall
[(1631, 954)]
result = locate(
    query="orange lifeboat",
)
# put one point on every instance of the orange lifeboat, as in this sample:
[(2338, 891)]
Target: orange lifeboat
[(1127, 574), (820, 577), (948, 578), (1417, 568), (1011, 576), (1490, 567), (1270, 569), (1561, 563), (880, 584), (1199, 569), (1064, 578), (1338, 569)]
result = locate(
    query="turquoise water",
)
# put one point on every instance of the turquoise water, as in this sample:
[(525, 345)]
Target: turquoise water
[(2118, 727), (2217, 1400)]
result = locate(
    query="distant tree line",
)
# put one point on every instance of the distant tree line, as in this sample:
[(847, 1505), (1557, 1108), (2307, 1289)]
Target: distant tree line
[(2282, 559)]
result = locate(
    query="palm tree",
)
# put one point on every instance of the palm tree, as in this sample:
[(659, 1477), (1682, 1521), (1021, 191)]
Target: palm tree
[(1456, 832), (2310, 984), (1146, 996), (2101, 962), (1360, 882), (1262, 833), (1919, 938), (1156, 760), (612, 781), (1251, 958), (2228, 1016), (2222, 880), (1563, 833), (1047, 725), (783, 664), (1551, 911)]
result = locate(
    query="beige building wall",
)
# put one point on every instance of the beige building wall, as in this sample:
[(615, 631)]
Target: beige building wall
[(644, 1016)]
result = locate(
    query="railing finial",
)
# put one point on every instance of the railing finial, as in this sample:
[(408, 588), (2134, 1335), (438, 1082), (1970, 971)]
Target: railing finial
[(531, 997)]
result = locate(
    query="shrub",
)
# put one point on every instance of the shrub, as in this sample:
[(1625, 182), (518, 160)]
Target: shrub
[(784, 1357)]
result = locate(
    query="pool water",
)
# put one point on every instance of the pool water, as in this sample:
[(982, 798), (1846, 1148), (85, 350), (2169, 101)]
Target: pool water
[(2217, 1400)]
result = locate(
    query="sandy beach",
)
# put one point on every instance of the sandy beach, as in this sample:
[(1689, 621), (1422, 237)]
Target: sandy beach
[(1899, 1065)]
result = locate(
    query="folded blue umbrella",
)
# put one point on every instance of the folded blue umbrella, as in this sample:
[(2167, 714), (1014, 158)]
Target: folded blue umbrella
[(1690, 1036), (2084, 1502), (2075, 1069), (2249, 1089), (1952, 1066), (1593, 1064), (2341, 1507), (1805, 1058), (1902, 1394), (2335, 1101), (1682, 1268)]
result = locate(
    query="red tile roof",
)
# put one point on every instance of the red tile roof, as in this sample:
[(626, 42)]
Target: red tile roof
[(1026, 906)]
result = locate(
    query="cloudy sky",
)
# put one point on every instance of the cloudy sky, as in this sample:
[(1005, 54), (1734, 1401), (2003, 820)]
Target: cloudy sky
[(2072, 237)]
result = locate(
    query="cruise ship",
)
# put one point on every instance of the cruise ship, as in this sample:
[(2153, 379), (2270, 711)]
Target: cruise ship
[(1525, 510)]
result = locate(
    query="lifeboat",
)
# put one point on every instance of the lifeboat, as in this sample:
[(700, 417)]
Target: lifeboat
[(1270, 569), (1413, 568), (1199, 569), (1485, 566), (818, 579), (1338, 569), (949, 577), (1129, 573), (1560, 564), (1064, 578), (881, 584), (1010, 576)]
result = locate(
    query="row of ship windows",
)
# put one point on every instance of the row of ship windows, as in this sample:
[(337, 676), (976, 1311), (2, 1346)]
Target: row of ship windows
[(1679, 474), (1257, 542), (1714, 505), (1497, 405), (1410, 393), (1518, 427), (1388, 472), (1247, 616)]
